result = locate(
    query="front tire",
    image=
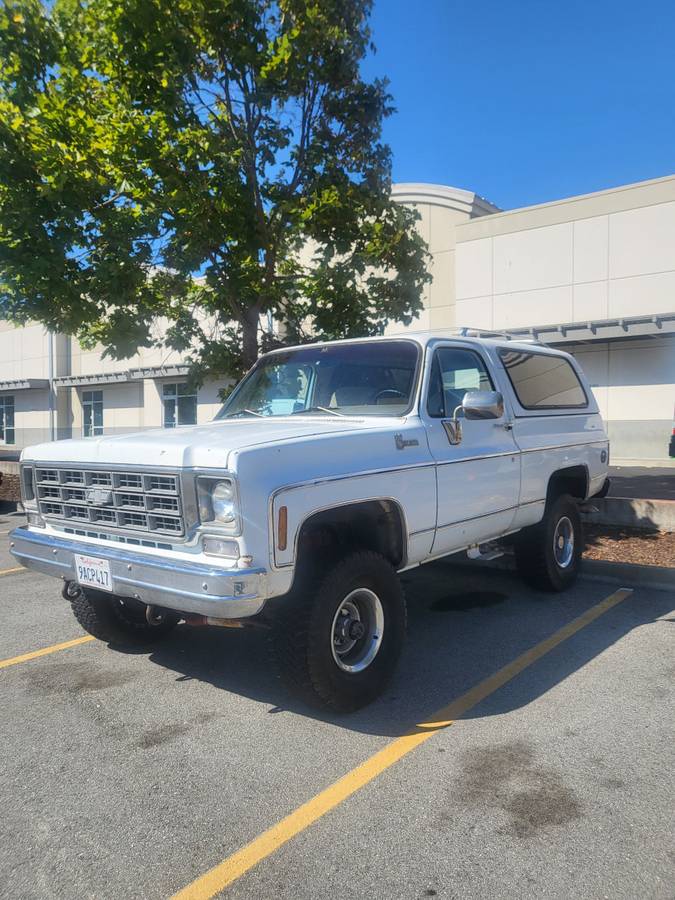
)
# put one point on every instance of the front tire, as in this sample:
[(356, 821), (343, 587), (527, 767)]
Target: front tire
[(118, 620), (337, 640), (548, 555)]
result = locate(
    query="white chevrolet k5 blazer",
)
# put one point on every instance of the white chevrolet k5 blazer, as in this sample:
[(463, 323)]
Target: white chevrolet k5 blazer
[(330, 469)]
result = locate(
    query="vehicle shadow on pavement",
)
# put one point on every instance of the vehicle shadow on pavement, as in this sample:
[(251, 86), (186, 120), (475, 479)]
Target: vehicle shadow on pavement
[(464, 625)]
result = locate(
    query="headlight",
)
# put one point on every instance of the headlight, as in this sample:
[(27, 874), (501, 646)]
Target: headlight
[(222, 502), (218, 502)]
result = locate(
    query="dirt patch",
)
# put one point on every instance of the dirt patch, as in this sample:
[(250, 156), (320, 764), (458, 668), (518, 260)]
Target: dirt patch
[(75, 678), (507, 777), (163, 734), (630, 545)]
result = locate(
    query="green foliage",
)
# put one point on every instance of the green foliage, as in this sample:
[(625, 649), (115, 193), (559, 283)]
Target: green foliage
[(207, 162)]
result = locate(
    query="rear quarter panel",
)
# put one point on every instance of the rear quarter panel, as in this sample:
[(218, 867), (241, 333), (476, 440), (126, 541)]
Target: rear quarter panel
[(551, 441)]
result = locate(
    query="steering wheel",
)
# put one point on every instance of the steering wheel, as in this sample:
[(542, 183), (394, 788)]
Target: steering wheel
[(390, 393)]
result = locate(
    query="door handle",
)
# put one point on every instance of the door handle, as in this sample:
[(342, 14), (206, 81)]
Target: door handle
[(508, 426)]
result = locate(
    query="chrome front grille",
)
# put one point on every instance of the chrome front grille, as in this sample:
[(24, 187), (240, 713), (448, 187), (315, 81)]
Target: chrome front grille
[(129, 501)]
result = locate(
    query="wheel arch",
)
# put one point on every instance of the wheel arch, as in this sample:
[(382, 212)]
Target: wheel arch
[(377, 524), (573, 480)]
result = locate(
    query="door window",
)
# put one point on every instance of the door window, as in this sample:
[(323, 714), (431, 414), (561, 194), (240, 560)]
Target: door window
[(454, 372)]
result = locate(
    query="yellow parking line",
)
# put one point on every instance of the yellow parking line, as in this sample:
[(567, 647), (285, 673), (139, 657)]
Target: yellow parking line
[(54, 648), (15, 569), (240, 862)]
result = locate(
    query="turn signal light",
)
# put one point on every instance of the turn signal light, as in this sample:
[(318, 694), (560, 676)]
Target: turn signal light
[(282, 541), (215, 546)]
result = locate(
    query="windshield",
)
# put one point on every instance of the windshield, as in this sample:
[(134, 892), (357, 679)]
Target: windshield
[(374, 379)]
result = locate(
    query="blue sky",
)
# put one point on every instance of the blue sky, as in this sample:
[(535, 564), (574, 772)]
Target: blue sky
[(527, 101)]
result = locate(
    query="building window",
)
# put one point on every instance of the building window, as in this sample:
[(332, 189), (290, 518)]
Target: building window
[(6, 420), (180, 405), (92, 413)]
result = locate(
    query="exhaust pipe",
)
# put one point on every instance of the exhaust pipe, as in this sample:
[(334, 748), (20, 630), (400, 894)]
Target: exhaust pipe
[(154, 615), (198, 621)]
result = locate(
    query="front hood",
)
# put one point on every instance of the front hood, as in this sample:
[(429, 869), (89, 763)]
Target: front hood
[(188, 446)]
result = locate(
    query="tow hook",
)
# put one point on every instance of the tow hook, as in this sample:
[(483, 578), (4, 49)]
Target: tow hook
[(70, 591), (154, 615)]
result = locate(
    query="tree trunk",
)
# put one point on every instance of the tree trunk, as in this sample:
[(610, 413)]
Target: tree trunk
[(249, 347)]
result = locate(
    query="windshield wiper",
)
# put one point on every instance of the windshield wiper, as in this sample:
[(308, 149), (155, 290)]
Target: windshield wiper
[(242, 412), (323, 409)]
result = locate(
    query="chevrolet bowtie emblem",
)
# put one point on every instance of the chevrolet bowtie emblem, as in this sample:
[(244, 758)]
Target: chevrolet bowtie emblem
[(99, 496)]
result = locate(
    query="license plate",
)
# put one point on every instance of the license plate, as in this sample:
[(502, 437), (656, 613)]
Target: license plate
[(93, 572)]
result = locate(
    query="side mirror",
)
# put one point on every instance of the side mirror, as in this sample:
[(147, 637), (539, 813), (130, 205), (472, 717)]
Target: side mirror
[(483, 405), (476, 405)]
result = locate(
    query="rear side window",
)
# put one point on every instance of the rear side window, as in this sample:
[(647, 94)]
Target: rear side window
[(542, 381)]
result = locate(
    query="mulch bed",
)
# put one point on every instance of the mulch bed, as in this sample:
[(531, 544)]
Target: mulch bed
[(630, 545)]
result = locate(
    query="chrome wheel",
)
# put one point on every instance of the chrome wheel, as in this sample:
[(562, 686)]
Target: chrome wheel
[(563, 542), (358, 626)]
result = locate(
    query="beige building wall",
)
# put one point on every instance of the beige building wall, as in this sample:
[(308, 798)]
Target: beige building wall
[(24, 374), (601, 256), (607, 258), (123, 408), (634, 383), (131, 400), (441, 210), (23, 352), (92, 361), (209, 400)]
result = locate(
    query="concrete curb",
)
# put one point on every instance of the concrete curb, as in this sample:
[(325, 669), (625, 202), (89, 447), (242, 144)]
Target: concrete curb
[(648, 514), (657, 578)]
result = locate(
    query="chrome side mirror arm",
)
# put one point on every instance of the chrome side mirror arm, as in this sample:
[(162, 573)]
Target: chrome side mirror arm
[(453, 427)]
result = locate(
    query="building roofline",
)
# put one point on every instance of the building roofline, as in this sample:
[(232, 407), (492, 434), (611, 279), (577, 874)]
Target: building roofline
[(23, 384), (92, 378), (659, 325), (442, 195), (169, 370), (575, 198)]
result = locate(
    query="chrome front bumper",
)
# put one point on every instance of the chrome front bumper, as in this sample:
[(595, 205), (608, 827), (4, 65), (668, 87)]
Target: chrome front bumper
[(184, 586)]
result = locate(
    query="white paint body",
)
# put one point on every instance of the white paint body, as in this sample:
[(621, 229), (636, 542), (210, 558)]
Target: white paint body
[(450, 497)]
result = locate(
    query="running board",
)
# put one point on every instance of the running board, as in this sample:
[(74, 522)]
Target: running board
[(484, 552)]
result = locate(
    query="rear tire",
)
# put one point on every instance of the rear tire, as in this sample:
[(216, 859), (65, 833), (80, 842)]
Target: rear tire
[(118, 620), (548, 555), (336, 640)]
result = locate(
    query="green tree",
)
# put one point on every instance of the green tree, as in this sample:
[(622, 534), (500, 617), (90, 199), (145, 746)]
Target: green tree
[(210, 162)]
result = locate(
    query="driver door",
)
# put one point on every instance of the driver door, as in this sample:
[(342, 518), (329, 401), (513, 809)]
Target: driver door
[(479, 478)]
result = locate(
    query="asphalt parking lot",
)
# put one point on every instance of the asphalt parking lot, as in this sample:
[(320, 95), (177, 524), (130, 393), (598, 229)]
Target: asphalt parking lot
[(134, 774)]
